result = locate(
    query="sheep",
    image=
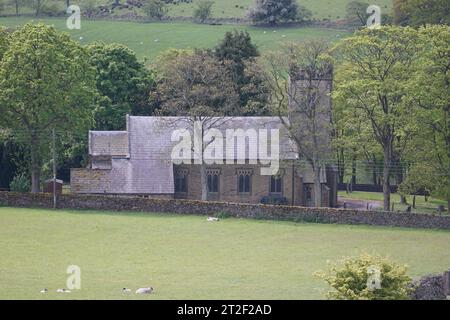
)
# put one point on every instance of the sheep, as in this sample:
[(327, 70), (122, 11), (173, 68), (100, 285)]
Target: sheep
[(144, 290)]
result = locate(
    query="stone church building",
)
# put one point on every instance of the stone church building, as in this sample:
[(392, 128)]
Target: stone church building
[(138, 161)]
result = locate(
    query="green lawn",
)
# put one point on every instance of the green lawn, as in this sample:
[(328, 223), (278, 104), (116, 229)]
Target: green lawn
[(186, 257), (429, 206), (141, 36)]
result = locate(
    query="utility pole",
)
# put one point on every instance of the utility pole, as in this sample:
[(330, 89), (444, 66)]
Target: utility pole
[(54, 168)]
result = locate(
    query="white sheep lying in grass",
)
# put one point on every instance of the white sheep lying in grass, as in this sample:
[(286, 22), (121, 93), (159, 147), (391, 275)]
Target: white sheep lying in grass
[(144, 290), (63, 291)]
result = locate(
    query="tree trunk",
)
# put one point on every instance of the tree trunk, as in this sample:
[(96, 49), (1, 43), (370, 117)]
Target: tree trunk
[(68, 3), (317, 187), (386, 182), (354, 170), (414, 201), (16, 2), (399, 181), (35, 165), (38, 7), (204, 178)]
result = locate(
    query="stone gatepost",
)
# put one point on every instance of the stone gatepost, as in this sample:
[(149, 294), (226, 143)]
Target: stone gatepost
[(447, 284)]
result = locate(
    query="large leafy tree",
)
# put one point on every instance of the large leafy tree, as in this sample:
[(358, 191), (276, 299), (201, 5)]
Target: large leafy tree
[(421, 12), (274, 11), (199, 91), (356, 12), (123, 82), (299, 78), (236, 51), (156, 9), (46, 82), (429, 90), (375, 69)]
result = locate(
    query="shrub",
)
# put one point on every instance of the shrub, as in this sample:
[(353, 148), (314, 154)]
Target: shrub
[(367, 277), (203, 11), (20, 183), (156, 9)]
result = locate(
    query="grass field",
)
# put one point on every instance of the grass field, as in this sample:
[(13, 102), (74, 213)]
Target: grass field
[(328, 9), (429, 206), (186, 257), (148, 39), (321, 9)]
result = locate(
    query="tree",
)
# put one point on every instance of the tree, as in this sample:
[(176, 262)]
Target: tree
[(156, 9), (429, 87), (237, 52), (198, 89), (356, 11), (203, 11), (299, 78), (420, 12), (123, 83), (45, 82), (375, 67), (274, 11), (37, 5)]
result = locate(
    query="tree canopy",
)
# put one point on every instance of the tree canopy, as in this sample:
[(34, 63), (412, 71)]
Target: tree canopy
[(46, 82)]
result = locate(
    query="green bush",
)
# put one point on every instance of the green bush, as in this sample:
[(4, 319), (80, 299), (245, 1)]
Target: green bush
[(367, 277), (20, 183)]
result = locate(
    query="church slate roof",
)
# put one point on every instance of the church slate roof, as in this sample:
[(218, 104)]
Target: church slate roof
[(141, 156)]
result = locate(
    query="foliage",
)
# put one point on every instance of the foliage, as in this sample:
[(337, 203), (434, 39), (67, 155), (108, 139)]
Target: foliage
[(356, 11), (237, 52), (373, 77), (3, 41), (45, 82), (429, 86), (123, 83), (299, 78), (274, 11), (351, 279), (420, 179), (203, 11), (155, 9), (20, 183), (197, 85), (421, 12)]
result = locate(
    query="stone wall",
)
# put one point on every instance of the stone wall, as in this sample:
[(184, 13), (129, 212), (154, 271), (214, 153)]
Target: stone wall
[(251, 211)]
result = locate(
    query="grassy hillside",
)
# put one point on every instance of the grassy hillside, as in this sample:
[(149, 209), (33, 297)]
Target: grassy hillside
[(186, 257), (148, 39), (328, 9), (322, 9)]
